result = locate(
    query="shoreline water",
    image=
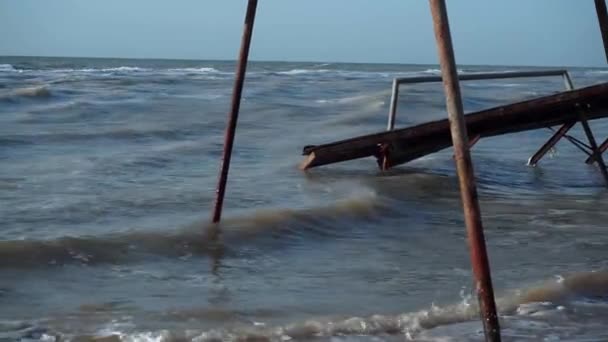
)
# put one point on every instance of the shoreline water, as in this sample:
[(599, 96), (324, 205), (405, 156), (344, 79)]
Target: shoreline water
[(107, 178)]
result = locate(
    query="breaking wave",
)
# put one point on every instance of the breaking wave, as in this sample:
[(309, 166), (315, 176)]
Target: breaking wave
[(204, 70), (543, 301), (27, 92), (123, 69), (303, 71), (196, 239), (7, 67), (596, 72), (438, 71)]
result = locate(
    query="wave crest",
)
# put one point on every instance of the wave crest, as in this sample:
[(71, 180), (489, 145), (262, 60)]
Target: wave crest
[(303, 71), (196, 239), (412, 325), (7, 67), (40, 92), (203, 70)]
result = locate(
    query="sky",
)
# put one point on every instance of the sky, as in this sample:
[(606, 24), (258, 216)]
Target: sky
[(488, 32)]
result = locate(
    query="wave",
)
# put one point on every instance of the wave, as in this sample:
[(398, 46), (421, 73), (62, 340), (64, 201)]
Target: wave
[(438, 71), (6, 67), (88, 70), (203, 70), (195, 239), (125, 133), (40, 92), (303, 71), (430, 324), (596, 72), (363, 74), (526, 302), (349, 99), (124, 69)]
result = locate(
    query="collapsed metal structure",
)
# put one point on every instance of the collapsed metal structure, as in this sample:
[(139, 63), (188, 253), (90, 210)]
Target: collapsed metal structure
[(398, 146)]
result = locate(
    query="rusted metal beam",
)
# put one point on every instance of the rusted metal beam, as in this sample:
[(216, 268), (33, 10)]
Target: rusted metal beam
[(237, 91), (409, 143), (550, 143), (602, 148), (596, 152), (466, 176), (602, 17)]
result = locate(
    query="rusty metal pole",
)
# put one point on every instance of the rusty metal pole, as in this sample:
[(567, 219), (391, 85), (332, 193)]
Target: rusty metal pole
[(468, 189), (602, 17), (234, 109)]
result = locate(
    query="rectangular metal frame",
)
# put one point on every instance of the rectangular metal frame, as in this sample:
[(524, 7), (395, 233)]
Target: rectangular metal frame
[(470, 77)]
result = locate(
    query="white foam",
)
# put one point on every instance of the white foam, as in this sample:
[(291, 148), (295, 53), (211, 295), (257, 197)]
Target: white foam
[(7, 67), (350, 99), (303, 71), (124, 68), (596, 72), (204, 70), (438, 71)]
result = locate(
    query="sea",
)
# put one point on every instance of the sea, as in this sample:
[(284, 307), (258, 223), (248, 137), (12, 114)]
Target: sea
[(108, 170)]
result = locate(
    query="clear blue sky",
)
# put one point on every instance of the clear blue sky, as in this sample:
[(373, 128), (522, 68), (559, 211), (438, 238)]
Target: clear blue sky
[(515, 32)]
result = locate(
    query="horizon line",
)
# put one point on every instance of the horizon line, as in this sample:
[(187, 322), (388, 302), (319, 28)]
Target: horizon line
[(298, 61)]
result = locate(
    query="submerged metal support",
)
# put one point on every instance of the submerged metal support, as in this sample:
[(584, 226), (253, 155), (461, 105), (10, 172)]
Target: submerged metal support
[(561, 132), (597, 154), (550, 143), (468, 188), (602, 17), (237, 91), (602, 148)]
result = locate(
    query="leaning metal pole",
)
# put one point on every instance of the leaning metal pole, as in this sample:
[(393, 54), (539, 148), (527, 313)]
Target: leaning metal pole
[(602, 17), (468, 189), (234, 109)]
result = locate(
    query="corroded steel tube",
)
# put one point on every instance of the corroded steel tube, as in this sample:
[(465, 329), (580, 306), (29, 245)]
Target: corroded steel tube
[(468, 189)]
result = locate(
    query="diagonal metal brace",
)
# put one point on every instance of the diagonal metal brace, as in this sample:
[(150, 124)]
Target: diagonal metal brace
[(603, 147), (597, 154), (550, 143)]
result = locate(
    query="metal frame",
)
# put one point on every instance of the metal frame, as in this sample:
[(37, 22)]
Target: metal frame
[(469, 77), (593, 151)]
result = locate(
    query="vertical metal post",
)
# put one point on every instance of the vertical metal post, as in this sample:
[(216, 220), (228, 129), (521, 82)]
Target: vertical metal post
[(234, 109), (468, 189), (602, 17), (392, 112)]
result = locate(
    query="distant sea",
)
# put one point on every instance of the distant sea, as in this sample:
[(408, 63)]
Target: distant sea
[(107, 176)]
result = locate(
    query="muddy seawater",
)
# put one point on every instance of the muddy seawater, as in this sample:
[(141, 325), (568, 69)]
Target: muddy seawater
[(107, 177)]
